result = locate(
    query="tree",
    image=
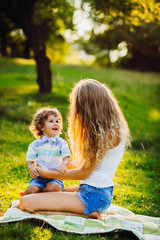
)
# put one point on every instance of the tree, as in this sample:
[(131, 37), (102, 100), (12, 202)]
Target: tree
[(5, 27), (136, 22), (39, 19)]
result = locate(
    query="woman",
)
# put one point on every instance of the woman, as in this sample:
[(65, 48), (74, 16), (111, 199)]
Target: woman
[(98, 134)]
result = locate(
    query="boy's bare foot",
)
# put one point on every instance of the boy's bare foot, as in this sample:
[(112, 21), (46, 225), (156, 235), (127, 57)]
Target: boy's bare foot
[(21, 194)]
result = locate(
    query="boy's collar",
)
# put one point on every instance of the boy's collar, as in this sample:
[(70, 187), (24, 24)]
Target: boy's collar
[(45, 138)]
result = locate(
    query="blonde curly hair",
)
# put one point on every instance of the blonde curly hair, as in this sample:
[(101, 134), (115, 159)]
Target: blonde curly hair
[(96, 122), (39, 118)]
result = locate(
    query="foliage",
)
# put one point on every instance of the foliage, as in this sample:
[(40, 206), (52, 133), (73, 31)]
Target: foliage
[(41, 21), (135, 22), (132, 12), (52, 17), (137, 177)]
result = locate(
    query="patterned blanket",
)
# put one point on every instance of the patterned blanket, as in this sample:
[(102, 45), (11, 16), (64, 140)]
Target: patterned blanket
[(144, 227)]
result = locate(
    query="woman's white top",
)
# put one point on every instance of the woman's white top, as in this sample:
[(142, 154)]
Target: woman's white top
[(102, 176)]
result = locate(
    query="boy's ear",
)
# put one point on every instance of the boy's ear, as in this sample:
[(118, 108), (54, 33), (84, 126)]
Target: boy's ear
[(40, 126)]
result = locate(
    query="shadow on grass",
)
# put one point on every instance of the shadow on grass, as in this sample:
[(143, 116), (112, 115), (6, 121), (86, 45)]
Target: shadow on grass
[(18, 107), (146, 143), (29, 228)]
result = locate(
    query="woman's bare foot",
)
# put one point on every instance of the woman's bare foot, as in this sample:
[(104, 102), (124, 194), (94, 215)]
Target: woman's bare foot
[(95, 215), (109, 213)]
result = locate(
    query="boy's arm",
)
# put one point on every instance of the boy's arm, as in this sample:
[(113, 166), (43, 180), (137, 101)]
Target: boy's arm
[(31, 157), (32, 170), (66, 160)]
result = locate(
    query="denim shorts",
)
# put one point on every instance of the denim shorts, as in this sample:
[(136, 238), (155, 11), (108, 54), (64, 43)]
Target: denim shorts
[(95, 199), (42, 182)]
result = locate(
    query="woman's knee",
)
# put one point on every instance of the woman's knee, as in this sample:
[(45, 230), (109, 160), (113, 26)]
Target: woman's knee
[(24, 205)]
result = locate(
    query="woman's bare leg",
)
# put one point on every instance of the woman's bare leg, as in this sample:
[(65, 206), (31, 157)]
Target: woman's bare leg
[(94, 215), (62, 213), (52, 201)]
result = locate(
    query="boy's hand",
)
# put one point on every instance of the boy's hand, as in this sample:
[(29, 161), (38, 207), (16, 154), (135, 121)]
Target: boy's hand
[(62, 168), (33, 172)]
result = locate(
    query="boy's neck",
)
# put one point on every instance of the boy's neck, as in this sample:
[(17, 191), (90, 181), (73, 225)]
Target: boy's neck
[(49, 136)]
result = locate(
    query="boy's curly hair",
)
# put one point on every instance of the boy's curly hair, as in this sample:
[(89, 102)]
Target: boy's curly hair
[(39, 118)]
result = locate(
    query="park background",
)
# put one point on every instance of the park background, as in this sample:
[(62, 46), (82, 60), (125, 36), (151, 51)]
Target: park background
[(46, 46)]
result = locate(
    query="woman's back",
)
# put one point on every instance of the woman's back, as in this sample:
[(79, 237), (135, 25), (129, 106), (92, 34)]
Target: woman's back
[(102, 176)]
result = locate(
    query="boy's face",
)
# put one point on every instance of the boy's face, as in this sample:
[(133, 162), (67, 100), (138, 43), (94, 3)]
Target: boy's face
[(51, 126)]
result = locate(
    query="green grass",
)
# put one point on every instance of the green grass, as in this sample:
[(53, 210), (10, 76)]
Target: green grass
[(137, 178)]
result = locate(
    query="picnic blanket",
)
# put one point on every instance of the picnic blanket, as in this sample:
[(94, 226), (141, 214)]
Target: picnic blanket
[(144, 227)]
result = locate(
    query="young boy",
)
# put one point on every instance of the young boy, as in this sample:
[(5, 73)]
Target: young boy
[(48, 150)]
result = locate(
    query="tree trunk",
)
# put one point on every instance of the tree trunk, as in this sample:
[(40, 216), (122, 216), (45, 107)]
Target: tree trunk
[(42, 61), (4, 44), (26, 51), (44, 73)]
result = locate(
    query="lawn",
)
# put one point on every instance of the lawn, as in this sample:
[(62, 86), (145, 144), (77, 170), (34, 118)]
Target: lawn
[(137, 178)]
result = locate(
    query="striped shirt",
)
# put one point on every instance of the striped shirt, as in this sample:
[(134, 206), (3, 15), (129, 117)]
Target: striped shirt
[(48, 152)]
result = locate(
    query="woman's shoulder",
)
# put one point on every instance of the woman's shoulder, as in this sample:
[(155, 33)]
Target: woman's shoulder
[(118, 147), (114, 138)]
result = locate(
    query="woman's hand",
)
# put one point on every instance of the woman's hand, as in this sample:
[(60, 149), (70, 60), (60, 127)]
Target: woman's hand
[(43, 171)]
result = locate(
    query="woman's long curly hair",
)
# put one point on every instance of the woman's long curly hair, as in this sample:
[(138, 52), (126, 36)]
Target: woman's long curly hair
[(96, 122), (39, 118)]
